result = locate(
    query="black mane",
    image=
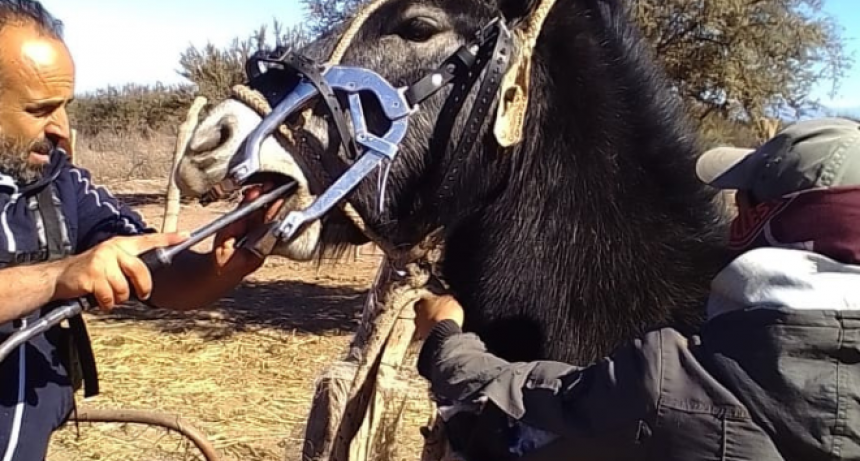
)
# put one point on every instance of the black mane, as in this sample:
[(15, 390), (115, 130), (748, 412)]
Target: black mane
[(602, 229)]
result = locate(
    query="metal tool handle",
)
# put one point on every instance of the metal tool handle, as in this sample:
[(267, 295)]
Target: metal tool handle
[(43, 324), (155, 260), (159, 258), (65, 311)]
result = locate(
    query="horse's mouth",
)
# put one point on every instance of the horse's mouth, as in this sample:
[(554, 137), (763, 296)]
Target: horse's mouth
[(301, 150), (276, 167), (315, 146)]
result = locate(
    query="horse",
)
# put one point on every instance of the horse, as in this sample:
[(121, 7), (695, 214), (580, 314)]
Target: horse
[(590, 230)]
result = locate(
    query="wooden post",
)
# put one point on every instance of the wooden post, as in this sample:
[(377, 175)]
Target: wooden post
[(186, 130), (325, 438), (73, 139), (388, 394), (362, 392)]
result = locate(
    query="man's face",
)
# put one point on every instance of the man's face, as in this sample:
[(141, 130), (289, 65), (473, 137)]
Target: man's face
[(37, 79)]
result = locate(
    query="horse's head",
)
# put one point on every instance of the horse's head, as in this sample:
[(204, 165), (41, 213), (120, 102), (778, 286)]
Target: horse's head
[(403, 41), (587, 230)]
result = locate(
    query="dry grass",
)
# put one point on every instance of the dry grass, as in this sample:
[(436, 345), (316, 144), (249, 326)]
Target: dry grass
[(124, 156), (243, 373), (248, 391)]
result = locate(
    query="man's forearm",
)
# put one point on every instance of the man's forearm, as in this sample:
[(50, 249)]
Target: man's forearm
[(191, 282), (617, 390), (457, 373), (25, 289), (460, 369)]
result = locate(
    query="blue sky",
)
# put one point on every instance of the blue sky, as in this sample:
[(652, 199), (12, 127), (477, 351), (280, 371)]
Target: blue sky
[(847, 13), (140, 41)]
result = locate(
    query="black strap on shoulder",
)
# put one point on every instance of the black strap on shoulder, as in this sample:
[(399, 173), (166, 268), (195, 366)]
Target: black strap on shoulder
[(59, 247), (51, 220), (22, 257)]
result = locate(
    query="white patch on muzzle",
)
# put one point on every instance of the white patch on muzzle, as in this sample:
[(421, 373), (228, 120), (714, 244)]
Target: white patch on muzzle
[(210, 149)]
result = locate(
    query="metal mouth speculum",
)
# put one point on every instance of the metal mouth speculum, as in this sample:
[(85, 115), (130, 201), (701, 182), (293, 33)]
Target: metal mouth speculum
[(374, 151), (370, 150)]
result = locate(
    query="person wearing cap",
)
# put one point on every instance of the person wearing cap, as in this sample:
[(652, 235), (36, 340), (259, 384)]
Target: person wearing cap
[(772, 374)]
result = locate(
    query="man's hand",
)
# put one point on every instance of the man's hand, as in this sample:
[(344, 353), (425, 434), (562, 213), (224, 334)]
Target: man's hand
[(105, 270), (196, 280), (430, 311), (229, 258)]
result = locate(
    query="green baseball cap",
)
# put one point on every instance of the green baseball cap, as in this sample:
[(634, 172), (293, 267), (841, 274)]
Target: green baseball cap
[(818, 153)]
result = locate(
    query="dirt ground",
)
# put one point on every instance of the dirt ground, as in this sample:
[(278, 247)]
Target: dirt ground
[(242, 373)]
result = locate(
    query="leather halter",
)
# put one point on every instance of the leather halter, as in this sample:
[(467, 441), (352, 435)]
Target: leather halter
[(298, 65), (488, 54), (496, 59)]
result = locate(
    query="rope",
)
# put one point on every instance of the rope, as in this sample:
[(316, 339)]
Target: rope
[(167, 421), (534, 24), (352, 30), (255, 100), (514, 91)]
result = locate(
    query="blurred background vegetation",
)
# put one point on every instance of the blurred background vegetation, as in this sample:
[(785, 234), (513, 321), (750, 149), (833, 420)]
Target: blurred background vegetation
[(740, 66)]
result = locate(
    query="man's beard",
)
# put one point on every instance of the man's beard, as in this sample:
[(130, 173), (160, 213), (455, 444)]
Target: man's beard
[(14, 159)]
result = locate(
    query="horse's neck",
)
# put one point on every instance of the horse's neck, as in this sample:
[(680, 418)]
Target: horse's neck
[(590, 243), (572, 283)]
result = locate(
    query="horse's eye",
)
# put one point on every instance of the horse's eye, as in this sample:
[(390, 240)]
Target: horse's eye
[(417, 30)]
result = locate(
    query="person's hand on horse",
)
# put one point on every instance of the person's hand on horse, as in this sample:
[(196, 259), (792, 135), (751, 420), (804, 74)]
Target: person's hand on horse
[(229, 258), (107, 270), (432, 310)]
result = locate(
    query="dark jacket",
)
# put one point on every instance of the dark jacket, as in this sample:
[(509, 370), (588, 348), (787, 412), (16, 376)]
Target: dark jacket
[(36, 389), (773, 375)]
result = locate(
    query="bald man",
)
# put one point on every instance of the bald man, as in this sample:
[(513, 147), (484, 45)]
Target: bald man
[(62, 238)]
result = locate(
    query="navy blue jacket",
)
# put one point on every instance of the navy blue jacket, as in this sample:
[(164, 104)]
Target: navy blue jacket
[(92, 214), (36, 392)]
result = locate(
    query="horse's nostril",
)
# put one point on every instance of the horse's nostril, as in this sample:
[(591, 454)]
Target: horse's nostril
[(224, 134), (212, 137)]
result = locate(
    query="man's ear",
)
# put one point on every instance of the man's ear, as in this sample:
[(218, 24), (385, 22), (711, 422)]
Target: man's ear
[(515, 10)]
